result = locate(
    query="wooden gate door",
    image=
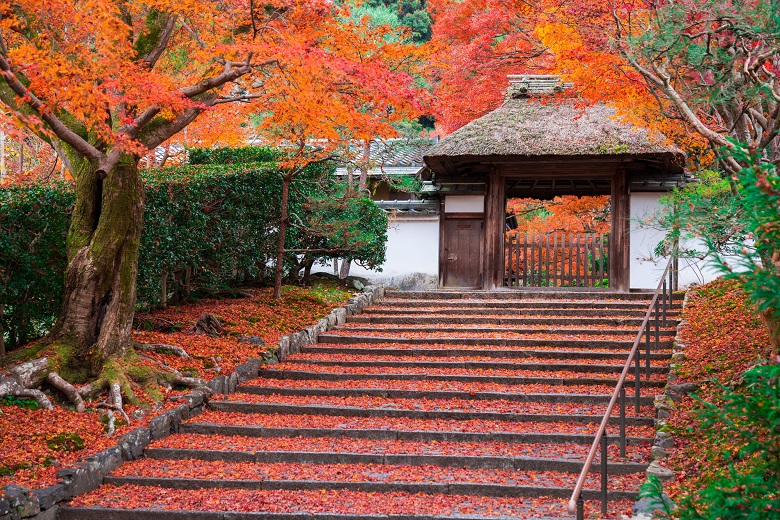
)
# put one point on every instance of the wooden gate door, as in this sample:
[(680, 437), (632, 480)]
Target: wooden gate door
[(462, 252), (556, 260)]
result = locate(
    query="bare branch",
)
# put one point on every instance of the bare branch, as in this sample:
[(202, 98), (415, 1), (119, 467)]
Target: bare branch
[(189, 29)]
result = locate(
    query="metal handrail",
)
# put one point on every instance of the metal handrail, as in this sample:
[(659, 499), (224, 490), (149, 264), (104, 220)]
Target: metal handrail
[(575, 502)]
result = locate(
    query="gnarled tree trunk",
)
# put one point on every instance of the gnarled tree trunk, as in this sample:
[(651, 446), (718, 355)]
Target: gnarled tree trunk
[(100, 282)]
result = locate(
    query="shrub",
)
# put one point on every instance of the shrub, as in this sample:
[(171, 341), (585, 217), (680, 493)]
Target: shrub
[(214, 224)]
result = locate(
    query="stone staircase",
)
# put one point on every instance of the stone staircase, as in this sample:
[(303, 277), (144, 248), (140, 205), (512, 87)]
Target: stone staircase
[(463, 405)]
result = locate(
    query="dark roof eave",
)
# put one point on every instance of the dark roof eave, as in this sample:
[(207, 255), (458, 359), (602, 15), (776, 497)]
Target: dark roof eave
[(440, 164)]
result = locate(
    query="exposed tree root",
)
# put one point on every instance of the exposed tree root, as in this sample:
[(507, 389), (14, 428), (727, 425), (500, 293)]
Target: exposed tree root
[(118, 376), (111, 426), (162, 348), (22, 381), (178, 378), (189, 382), (54, 379)]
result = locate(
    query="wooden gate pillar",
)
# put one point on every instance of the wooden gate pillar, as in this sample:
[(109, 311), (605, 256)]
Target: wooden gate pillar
[(619, 253)]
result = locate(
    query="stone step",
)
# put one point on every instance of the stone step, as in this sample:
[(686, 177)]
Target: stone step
[(418, 394), (405, 435), (506, 329), (113, 513), (281, 504), (330, 338), (464, 352), (354, 411), (378, 478), (528, 294), (401, 305), (509, 380), (428, 488), (472, 388), (445, 426), (391, 459), (423, 404), (470, 319), (476, 365), (509, 312)]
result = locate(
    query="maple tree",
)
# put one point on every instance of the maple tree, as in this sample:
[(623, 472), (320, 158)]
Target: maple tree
[(105, 82)]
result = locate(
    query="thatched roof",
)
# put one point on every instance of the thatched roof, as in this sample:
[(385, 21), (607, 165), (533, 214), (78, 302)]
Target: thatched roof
[(528, 126)]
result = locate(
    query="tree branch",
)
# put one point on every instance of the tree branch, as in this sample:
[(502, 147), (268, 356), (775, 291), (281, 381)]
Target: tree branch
[(165, 36), (58, 127)]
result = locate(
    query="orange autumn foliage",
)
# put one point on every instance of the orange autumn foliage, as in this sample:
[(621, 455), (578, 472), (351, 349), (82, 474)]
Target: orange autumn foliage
[(566, 214), (489, 40)]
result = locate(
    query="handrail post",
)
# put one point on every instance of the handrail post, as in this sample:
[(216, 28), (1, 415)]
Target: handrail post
[(604, 446), (636, 381), (664, 303), (657, 324), (623, 421), (647, 350), (580, 508)]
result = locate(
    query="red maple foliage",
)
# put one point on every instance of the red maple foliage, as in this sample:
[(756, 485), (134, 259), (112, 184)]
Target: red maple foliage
[(723, 336)]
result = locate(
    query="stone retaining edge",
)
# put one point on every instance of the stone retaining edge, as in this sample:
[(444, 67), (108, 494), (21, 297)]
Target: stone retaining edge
[(18, 502)]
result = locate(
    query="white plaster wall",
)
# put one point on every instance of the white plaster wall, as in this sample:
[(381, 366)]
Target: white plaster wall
[(412, 253), (646, 269), (464, 204)]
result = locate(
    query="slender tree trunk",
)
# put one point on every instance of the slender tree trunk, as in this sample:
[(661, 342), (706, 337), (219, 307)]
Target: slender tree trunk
[(363, 180), (2, 155), (100, 282), (2, 338), (345, 265), (283, 223), (21, 158)]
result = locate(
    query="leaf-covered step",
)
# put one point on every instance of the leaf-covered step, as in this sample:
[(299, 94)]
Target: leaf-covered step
[(312, 388), (590, 366), (421, 388), (346, 450), (523, 295), (153, 503), (355, 411), (185, 474), (426, 404), (334, 336), (507, 319), (396, 425), (575, 331), (505, 312), (461, 351), (411, 371)]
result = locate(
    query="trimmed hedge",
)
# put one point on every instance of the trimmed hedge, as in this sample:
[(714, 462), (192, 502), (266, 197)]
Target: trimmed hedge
[(243, 155), (33, 226), (214, 224)]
